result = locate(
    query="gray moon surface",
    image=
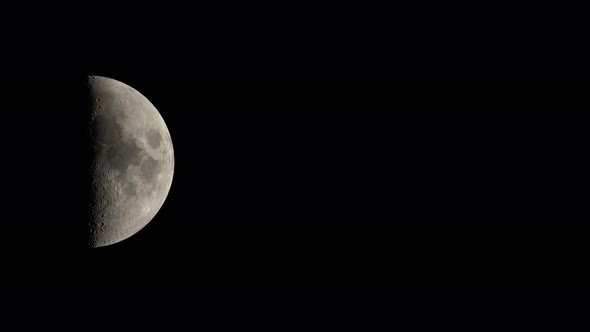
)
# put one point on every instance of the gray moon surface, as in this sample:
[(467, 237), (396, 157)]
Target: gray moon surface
[(132, 161)]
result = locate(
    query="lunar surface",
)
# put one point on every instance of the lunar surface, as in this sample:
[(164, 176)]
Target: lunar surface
[(132, 161)]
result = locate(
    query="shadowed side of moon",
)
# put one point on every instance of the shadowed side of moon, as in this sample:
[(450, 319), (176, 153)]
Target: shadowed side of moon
[(132, 161)]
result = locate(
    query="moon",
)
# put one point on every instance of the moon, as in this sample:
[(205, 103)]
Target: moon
[(132, 161)]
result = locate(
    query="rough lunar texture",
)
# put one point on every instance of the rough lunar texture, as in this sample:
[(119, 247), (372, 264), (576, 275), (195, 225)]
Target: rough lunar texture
[(132, 161)]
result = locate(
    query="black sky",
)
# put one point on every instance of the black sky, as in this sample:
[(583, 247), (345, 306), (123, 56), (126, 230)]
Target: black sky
[(298, 166), (378, 184)]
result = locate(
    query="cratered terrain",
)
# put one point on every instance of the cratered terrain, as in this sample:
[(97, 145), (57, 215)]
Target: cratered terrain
[(132, 161)]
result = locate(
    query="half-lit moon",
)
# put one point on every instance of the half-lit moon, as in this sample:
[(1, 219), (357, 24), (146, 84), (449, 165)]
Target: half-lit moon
[(132, 161)]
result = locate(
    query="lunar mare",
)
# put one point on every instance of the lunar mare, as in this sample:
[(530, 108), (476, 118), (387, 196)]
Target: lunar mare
[(132, 161)]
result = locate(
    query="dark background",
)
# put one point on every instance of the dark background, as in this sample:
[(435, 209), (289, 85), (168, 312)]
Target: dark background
[(298, 204), (316, 184), (459, 184)]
